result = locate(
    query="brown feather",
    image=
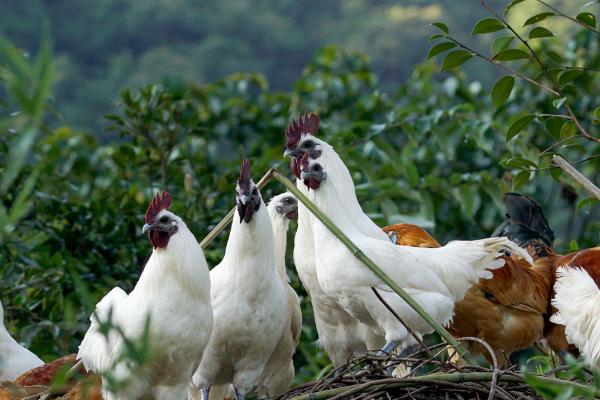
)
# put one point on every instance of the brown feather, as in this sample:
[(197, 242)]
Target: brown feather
[(44, 374), (411, 235)]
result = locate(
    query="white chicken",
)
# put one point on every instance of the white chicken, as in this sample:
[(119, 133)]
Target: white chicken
[(14, 358), (577, 301), (171, 299), (279, 371), (436, 278), (249, 299), (340, 335)]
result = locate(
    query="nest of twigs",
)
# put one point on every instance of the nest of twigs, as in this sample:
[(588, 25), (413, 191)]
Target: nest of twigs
[(429, 377)]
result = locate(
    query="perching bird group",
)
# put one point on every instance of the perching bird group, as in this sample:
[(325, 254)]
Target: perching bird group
[(186, 333)]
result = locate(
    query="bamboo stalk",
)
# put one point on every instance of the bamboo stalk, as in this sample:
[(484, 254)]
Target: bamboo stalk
[(578, 176), (208, 239), (370, 264), (457, 377)]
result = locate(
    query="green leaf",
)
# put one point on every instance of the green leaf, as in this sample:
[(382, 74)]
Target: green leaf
[(439, 48), (511, 54), (520, 179), (434, 36), (568, 129), (573, 245), (554, 56), (501, 90), (518, 126), (589, 202), (540, 32), (455, 59), (501, 43), (538, 17), (559, 102), (555, 173), (412, 173), (487, 25), (587, 18), (441, 26), (568, 76), (553, 125), (511, 5), (597, 113)]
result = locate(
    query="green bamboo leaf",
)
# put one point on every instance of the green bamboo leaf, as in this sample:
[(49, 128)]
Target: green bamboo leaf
[(538, 18), (587, 18), (511, 54), (455, 59), (440, 48), (501, 43), (568, 76), (441, 26), (540, 32), (520, 179), (518, 126), (487, 25), (501, 90)]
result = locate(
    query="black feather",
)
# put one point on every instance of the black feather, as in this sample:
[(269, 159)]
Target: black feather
[(525, 222)]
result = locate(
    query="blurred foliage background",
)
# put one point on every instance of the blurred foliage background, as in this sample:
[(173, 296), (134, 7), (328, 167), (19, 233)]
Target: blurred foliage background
[(191, 87)]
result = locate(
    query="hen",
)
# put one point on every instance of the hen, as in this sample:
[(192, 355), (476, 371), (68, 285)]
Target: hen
[(249, 299), (435, 277), (14, 358), (170, 303)]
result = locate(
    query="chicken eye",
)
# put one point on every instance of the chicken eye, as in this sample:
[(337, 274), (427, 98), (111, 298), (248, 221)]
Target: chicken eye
[(307, 144), (164, 219), (317, 167)]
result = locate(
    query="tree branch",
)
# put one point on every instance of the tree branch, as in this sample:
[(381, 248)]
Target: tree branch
[(557, 11), (578, 176)]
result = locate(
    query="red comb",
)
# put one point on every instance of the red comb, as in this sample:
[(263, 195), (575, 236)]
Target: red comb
[(245, 175), (159, 202), (307, 123)]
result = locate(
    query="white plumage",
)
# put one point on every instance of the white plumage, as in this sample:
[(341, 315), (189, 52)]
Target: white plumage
[(435, 278), (14, 358), (173, 291), (249, 300), (279, 371), (577, 301)]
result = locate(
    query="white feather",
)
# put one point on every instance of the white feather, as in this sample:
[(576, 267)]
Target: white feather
[(14, 358), (577, 300), (249, 303), (174, 292)]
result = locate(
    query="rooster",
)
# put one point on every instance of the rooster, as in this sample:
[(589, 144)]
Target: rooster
[(340, 335), (170, 303), (14, 358), (249, 299), (435, 277), (577, 304)]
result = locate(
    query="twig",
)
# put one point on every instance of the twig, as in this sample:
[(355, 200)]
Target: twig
[(494, 362), (557, 11), (408, 328), (578, 176)]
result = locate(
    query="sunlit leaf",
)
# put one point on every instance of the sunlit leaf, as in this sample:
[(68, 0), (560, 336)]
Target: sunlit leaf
[(558, 103), (518, 126), (568, 129), (440, 48), (511, 5), (441, 26), (455, 59), (501, 43), (501, 90), (511, 54), (587, 18), (487, 25), (589, 203), (538, 18), (540, 32)]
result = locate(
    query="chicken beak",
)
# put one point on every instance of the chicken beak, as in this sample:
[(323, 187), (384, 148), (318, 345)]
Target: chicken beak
[(289, 152), (244, 199), (304, 175), (146, 228)]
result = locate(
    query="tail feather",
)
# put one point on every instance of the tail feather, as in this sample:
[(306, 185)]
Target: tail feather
[(577, 300), (525, 223)]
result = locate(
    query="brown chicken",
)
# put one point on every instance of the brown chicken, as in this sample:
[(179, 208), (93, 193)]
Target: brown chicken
[(508, 310)]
